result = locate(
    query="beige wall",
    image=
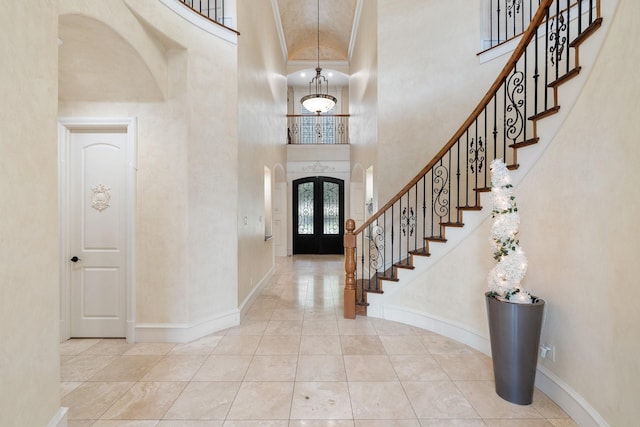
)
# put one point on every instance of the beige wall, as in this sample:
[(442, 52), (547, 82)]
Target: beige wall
[(29, 357), (429, 80), (187, 154), (262, 109), (363, 89), (579, 228), (584, 246)]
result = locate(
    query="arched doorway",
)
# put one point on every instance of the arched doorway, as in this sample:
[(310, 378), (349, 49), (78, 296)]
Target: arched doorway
[(318, 215)]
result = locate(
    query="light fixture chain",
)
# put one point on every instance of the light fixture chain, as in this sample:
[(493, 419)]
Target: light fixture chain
[(318, 102)]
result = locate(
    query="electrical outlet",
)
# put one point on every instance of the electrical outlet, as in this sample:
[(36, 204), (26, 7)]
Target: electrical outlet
[(548, 352), (545, 352)]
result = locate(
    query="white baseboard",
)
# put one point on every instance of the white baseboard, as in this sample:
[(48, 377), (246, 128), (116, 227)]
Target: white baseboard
[(60, 418), (130, 334), (255, 292), (546, 381), (182, 332), (435, 324), (568, 399)]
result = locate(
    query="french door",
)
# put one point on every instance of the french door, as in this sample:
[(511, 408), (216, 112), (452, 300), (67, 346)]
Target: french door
[(318, 216)]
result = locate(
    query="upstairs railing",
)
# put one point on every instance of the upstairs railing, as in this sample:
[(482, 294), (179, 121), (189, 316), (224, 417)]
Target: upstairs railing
[(504, 121), (507, 19), (213, 10), (318, 129)]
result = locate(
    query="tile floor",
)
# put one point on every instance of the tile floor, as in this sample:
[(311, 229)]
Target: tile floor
[(293, 362)]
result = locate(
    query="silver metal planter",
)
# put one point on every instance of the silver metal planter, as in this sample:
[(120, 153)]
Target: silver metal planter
[(515, 338)]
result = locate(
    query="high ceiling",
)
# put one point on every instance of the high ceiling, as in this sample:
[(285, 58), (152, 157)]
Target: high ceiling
[(300, 27), (299, 19)]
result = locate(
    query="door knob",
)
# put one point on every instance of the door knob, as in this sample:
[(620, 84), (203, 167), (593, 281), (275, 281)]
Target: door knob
[(75, 259)]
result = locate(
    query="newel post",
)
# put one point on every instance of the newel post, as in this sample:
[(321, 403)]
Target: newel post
[(350, 270)]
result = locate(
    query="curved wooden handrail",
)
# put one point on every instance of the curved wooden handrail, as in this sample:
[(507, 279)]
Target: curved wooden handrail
[(515, 56)]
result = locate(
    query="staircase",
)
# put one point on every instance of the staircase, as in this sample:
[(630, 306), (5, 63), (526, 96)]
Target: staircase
[(504, 122)]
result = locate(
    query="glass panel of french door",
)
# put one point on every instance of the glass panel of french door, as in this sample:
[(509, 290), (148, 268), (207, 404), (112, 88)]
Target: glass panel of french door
[(305, 208), (331, 207)]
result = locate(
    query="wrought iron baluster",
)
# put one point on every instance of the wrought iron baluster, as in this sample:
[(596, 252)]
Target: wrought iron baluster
[(546, 63), (491, 35), (556, 48), (498, 40), (514, 7), (432, 201), (495, 125), (448, 192), (377, 248), (522, 18), (458, 173), (415, 234), (504, 120), (514, 119), (525, 80), (402, 231), (579, 17), (568, 37), (471, 159), (424, 207), (479, 156), (360, 283), (472, 153), (506, 23), (441, 189), (408, 223), (484, 181), (536, 73), (392, 240)]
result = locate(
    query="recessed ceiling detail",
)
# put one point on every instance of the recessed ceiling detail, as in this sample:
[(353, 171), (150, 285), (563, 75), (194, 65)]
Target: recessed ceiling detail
[(300, 22)]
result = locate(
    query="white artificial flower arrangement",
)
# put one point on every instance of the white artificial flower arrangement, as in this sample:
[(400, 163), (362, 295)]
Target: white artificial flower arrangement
[(505, 277)]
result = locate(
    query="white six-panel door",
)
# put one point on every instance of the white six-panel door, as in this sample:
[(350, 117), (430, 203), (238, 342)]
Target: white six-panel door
[(97, 233)]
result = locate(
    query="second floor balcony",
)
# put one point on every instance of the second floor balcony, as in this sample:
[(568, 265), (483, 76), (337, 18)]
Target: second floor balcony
[(317, 129)]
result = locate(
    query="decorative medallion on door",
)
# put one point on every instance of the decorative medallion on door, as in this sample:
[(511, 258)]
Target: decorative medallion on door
[(100, 198)]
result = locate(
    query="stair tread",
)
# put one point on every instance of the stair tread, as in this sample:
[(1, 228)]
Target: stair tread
[(435, 239), (469, 208), (586, 33), (420, 252), (452, 224), (543, 114), (524, 143), (389, 278), (404, 266), (568, 76)]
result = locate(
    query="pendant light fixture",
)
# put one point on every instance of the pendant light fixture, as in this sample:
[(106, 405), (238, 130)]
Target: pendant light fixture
[(320, 101)]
